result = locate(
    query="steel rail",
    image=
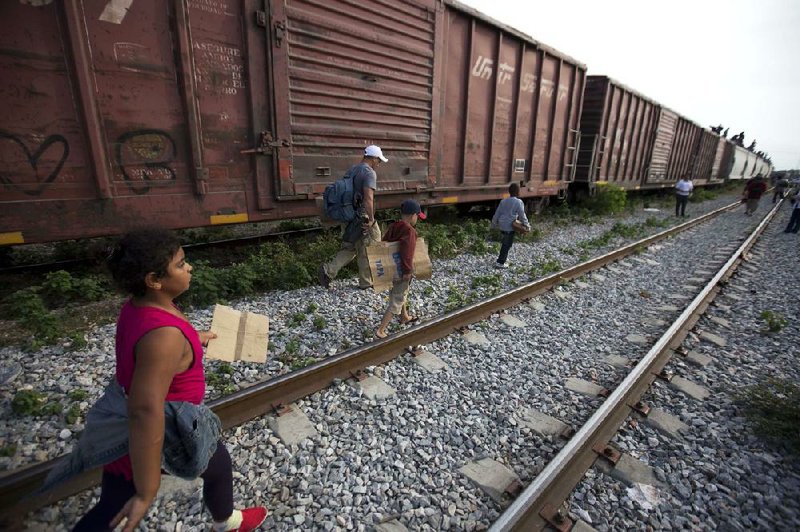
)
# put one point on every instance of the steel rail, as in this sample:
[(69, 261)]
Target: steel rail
[(538, 506), (265, 397)]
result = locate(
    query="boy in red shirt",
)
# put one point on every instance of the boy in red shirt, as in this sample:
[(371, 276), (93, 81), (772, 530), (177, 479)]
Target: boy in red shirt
[(402, 231)]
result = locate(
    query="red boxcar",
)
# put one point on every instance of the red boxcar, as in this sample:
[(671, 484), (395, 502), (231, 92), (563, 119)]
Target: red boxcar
[(196, 112), (617, 130)]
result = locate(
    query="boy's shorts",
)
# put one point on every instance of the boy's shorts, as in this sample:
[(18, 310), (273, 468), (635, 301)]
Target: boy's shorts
[(397, 296)]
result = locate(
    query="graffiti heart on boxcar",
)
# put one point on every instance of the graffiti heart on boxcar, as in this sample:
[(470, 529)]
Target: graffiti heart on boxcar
[(46, 162), (145, 156)]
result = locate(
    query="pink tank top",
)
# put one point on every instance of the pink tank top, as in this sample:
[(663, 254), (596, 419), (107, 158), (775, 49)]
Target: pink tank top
[(190, 386)]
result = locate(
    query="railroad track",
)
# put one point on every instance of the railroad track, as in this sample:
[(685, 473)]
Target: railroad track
[(269, 396), (45, 267)]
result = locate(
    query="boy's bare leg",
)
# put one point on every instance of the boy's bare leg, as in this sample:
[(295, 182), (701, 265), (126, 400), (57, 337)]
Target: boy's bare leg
[(387, 318)]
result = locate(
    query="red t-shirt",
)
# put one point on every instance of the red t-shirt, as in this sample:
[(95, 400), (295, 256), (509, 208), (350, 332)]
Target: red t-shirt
[(402, 232)]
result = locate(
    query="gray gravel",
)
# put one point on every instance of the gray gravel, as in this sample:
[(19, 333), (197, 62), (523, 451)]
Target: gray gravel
[(399, 457), (720, 475)]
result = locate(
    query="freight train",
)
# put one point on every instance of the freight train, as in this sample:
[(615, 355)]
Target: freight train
[(190, 113)]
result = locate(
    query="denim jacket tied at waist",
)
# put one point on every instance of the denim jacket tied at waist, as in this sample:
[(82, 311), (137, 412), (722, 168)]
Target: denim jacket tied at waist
[(191, 433)]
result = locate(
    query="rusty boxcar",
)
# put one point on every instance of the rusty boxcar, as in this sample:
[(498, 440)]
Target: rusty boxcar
[(197, 112), (630, 141), (618, 127)]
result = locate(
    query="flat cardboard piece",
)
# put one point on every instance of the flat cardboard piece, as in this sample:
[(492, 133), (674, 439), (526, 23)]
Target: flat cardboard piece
[(240, 335), (384, 263)]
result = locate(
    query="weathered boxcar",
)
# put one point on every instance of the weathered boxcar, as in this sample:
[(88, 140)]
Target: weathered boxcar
[(633, 142), (747, 164), (617, 133), (196, 112)]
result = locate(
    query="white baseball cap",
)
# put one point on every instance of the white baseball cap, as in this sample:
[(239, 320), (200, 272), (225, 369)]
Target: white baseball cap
[(374, 151)]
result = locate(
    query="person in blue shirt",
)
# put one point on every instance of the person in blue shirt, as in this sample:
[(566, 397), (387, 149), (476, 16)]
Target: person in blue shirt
[(509, 211)]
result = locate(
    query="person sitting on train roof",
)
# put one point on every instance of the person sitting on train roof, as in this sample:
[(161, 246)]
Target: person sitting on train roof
[(365, 182), (151, 415)]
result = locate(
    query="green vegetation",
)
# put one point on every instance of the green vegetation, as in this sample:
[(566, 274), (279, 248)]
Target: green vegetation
[(775, 320), (73, 414), (492, 280), (32, 403), (547, 266), (773, 408), (297, 319), (8, 450), (700, 195), (220, 378), (292, 346), (30, 311), (302, 362), (77, 395), (320, 323), (621, 230), (449, 240), (608, 199)]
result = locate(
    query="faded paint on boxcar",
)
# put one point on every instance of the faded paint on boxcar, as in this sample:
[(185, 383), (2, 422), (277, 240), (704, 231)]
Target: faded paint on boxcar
[(193, 112), (617, 126)]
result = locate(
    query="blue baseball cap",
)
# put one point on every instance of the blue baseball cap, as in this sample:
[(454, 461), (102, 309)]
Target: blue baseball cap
[(410, 206)]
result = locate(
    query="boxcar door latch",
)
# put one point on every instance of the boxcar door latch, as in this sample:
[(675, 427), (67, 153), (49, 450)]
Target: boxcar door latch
[(266, 144)]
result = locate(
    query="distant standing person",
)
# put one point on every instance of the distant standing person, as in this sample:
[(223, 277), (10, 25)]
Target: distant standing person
[(753, 191), (509, 211), (365, 182), (402, 231), (780, 189), (683, 189), (794, 221)]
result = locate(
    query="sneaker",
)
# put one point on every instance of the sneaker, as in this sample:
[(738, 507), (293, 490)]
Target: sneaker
[(501, 266), (324, 279), (251, 519)]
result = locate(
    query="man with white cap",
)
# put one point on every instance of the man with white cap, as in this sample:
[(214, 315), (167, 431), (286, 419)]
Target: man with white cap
[(365, 181)]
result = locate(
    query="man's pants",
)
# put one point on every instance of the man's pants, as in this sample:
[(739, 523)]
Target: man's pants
[(794, 221), (505, 246), (680, 204), (350, 251), (752, 205)]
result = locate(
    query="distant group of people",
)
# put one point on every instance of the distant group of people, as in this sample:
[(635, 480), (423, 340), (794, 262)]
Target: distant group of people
[(753, 190)]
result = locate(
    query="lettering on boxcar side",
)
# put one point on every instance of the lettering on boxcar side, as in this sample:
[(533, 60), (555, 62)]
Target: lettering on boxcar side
[(483, 68), (505, 72), (219, 68), (528, 82), (215, 7), (145, 156), (31, 172)]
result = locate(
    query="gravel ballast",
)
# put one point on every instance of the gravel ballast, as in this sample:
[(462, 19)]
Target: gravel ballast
[(399, 457)]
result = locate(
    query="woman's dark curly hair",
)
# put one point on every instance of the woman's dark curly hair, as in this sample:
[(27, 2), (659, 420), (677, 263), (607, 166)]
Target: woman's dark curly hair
[(138, 253)]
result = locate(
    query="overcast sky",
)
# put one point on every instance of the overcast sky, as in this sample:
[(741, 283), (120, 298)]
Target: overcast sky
[(730, 62)]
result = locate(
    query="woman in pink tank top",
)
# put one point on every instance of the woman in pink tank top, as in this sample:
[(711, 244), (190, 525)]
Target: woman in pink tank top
[(159, 358)]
